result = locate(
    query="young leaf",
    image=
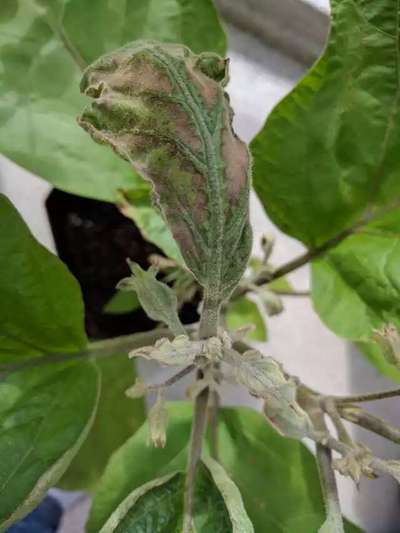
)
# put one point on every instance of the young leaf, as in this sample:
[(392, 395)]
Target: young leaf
[(163, 109), (180, 351), (264, 378), (41, 306), (158, 421), (45, 415), (156, 298), (244, 312), (43, 48), (122, 302), (331, 147)]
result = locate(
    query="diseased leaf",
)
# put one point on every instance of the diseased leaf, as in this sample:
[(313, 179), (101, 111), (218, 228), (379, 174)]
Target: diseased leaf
[(277, 477), (157, 299), (244, 312), (180, 351), (45, 415), (158, 421), (117, 418), (122, 302), (163, 109), (41, 306), (265, 378), (330, 149), (43, 47)]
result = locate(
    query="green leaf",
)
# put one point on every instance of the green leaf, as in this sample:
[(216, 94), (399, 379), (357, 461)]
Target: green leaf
[(157, 506), (157, 299), (41, 306), (331, 147), (117, 418), (137, 205), (244, 312), (181, 140), (122, 302), (45, 415), (277, 477), (43, 47), (137, 463), (356, 287)]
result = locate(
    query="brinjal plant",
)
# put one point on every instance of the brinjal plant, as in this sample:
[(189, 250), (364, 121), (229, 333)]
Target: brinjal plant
[(327, 170)]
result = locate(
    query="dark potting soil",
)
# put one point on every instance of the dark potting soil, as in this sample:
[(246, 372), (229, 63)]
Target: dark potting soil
[(94, 240)]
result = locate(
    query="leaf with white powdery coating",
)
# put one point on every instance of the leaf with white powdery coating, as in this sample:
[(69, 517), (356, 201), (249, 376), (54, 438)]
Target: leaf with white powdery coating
[(330, 149), (164, 109)]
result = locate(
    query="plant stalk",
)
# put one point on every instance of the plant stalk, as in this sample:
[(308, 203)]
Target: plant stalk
[(208, 328), (377, 425), (327, 476)]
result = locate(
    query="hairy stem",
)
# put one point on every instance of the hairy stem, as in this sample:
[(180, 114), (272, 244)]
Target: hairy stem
[(370, 397), (377, 425), (215, 401), (208, 328), (327, 476), (172, 380), (196, 443)]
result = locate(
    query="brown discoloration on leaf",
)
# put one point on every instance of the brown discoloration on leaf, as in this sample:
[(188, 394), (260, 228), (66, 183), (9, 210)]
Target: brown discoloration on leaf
[(164, 109), (237, 158)]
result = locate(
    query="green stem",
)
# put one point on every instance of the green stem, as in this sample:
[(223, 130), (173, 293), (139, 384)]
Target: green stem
[(328, 481), (208, 328), (97, 349)]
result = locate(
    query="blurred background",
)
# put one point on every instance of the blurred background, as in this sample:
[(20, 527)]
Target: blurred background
[(271, 45)]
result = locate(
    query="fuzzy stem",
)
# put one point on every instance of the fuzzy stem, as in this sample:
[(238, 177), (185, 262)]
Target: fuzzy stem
[(367, 397), (328, 480), (214, 425), (208, 328), (377, 425), (196, 444)]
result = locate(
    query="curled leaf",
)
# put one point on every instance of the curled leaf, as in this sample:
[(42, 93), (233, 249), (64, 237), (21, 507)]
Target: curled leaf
[(264, 378), (179, 351), (157, 299), (164, 109), (158, 421)]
